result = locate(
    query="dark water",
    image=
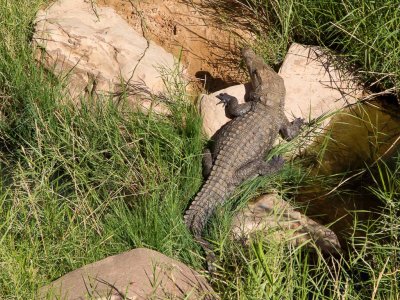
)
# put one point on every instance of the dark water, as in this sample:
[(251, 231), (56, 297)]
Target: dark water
[(355, 139)]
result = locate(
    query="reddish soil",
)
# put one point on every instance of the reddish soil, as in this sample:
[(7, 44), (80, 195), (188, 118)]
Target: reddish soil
[(206, 47)]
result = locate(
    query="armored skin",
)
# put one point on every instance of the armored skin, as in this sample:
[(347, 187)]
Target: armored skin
[(240, 146)]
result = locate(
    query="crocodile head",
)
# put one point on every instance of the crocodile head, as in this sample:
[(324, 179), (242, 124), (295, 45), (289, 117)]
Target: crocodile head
[(268, 86)]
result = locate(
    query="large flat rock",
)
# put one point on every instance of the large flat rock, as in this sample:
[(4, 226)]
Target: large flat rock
[(314, 84), (213, 114), (91, 44), (136, 274), (275, 218)]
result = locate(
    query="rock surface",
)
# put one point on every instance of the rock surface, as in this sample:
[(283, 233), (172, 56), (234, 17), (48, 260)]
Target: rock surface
[(94, 46), (313, 88), (313, 85), (214, 115), (136, 274), (276, 218), (191, 31)]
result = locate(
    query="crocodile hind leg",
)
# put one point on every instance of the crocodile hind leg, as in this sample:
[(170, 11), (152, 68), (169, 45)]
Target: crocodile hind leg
[(232, 108), (207, 162), (258, 167), (210, 255)]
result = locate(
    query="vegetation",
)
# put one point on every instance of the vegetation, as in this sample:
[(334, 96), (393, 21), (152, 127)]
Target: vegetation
[(366, 33), (79, 183)]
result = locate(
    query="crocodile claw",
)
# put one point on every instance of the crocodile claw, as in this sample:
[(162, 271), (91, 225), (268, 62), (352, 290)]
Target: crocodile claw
[(225, 99)]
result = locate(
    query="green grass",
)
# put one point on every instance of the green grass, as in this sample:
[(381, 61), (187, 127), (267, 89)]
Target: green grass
[(80, 183)]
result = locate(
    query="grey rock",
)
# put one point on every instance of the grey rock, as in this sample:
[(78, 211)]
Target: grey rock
[(275, 218), (136, 274), (315, 85)]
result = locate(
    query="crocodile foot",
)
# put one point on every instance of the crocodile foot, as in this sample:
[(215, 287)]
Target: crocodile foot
[(232, 107), (210, 255), (225, 99), (291, 130), (210, 259), (298, 122), (275, 164)]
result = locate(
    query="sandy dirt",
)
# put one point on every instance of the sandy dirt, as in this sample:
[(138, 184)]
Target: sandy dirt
[(206, 47)]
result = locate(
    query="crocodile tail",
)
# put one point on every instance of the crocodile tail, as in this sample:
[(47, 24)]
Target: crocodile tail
[(212, 194)]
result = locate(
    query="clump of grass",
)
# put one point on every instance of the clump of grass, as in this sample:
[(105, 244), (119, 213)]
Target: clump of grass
[(92, 182), (82, 182)]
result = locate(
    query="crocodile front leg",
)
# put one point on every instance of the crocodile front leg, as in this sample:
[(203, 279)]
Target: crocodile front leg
[(232, 108), (289, 130)]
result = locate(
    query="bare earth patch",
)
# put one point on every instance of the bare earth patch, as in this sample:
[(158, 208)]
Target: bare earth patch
[(208, 49)]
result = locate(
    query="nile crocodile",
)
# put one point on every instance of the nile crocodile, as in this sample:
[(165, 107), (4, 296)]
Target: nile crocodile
[(239, 147)]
